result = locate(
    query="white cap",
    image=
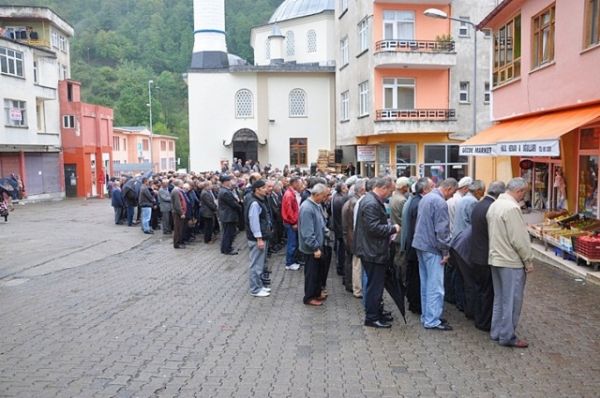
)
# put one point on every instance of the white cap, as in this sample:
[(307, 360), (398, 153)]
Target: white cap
[(465, 182)]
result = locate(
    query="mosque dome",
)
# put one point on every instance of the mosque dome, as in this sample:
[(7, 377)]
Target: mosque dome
[(290, 9)]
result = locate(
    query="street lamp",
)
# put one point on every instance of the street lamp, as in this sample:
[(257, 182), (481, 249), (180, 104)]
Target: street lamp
[(150, 82), (439, 14)]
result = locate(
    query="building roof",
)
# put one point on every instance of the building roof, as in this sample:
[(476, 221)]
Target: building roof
[(36, 12), (291, 9), (131, 128)]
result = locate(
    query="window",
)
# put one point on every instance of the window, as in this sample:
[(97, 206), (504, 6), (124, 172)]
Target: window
[(116, 142), (298, 150), (17, 32), (345, 106), (62, 43), (163, 163), (290, 43), (463, 92), (592, 22), (171, 146), (363, 98), (171, 163), (55, 42), (244, 104), (363, 35), (11, 62), (343, 5), (64, 72), (542, 45), (487, 33), (398, 25), (311, 41), (383, 159), (163, 146), (35, 72), (145, 144), (507, 52), (40, 114), (124, 144), (463, 29), (15, 112), (70, 92), (268, 49), (297, 102), (344, 51), (486, 93), (399, 93), (406, 160), (443, 161), (69, 121)]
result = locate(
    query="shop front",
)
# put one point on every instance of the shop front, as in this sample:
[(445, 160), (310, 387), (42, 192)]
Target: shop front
[(558, 154)]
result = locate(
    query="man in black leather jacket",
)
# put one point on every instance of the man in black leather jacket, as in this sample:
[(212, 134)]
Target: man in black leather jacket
[(372, 246)]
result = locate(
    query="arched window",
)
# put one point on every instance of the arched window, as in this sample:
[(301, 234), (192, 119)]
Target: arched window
[(311, 41), (291, 45), (244, 104), (297, 102), (268, 49)]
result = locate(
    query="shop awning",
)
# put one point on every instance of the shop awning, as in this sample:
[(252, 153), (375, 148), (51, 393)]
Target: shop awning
[(529, 136)]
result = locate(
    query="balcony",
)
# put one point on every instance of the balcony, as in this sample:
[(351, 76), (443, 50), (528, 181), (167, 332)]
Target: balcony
[(415, 121), (415, 54)]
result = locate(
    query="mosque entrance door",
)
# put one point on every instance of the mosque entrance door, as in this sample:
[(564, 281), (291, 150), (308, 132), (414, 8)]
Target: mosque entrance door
[(245, 145)]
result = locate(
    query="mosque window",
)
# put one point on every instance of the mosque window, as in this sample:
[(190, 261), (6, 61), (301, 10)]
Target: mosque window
[(311, 37), (297, 103), (268, 49), (244, 104), (291, 45)]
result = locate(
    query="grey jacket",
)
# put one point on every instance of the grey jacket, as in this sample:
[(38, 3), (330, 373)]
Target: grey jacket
[(164, 198), (146, 199), (432, 231), (311, 227)]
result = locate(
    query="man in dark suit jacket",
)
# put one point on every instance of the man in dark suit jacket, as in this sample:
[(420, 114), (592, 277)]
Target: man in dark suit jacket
[(208, 210), (484, 290), (229, 211), (179, 208)]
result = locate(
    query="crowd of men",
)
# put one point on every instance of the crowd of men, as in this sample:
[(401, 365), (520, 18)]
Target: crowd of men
[(454, 242)]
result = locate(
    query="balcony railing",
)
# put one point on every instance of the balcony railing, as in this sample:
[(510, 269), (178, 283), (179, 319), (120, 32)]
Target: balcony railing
[(415, 45), (416, 114)]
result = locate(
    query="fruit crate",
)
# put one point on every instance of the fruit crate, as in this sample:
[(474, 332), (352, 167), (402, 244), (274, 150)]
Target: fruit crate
[(590, 249)]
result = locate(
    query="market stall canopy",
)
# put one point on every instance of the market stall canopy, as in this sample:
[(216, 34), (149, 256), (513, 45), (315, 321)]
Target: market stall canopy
[(529, 136)]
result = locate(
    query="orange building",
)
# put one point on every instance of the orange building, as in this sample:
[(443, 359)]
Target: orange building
[(86, 132), (134, 146)]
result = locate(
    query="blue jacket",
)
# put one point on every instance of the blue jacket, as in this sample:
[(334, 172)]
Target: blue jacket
[(311, 227), (432, 232), (117, 198)]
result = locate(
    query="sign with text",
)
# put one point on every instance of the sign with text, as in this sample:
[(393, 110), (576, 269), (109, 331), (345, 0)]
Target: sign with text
[(529, 148), (16, 115), (478, 150), (366, 153)]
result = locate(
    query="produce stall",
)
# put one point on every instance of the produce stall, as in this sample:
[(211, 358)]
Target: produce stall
[(574, 236)]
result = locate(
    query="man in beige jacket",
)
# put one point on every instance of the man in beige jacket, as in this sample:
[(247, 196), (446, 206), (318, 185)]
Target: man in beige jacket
[(511, 259)]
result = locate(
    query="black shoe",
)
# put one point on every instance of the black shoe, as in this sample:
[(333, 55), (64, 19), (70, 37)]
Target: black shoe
[(442, 326), (231, 253), (179, 246), (444, 321), (386, 318), (149, 232), (378, 324), (386, 313)]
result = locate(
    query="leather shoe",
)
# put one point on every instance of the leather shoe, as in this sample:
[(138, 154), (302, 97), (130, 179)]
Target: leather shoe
[(231, 253), (179, 247), (378, 324), (386, 318), (386, 313), (442, 326)]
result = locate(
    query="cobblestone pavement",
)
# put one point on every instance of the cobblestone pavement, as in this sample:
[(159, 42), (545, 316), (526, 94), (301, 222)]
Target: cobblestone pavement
[(154, 321)]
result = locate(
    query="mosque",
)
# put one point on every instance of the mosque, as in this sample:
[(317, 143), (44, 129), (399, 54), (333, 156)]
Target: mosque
[(281, 110)]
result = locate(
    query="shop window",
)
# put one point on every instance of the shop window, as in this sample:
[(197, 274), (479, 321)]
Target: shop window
[(507, 52), (543, 37), (383, 159), (406, 160), (592, 23), (298, 151), (588, 185), (398, 25), (443, 161)]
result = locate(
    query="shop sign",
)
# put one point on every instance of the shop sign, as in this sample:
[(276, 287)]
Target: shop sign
[(366, 153), (478, 150), (529, 148)]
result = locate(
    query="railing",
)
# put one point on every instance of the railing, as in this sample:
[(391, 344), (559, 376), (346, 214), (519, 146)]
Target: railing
[(415, 45), (442, 115)]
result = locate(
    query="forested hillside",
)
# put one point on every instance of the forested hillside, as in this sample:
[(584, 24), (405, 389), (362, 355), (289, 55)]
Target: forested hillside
[(121, 44)]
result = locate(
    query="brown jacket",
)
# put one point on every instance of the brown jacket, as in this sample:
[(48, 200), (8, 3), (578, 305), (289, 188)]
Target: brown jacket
[(348, 222)]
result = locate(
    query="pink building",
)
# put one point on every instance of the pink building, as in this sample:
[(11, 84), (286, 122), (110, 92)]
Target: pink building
[(546, 100), (134, 146)]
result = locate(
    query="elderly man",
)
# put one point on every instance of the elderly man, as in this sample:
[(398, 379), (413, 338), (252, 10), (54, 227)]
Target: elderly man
[(311, 239), (511, 259), (483, 295), (117, 202), (258, 232), (397, 202), (229, 210), (372, 246), (432, 241), (179, 206), (353, 271), (208, 210), (164, 198), (337, 202)]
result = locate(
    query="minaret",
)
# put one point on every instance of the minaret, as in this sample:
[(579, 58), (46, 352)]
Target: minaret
[(210, 48)]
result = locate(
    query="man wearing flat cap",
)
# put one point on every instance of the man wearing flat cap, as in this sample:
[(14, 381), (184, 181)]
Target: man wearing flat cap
[(229, 210)]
